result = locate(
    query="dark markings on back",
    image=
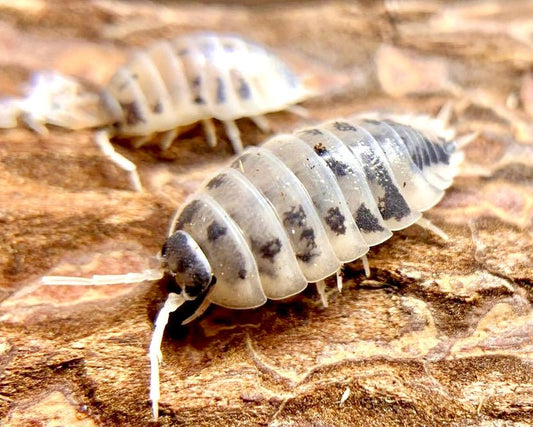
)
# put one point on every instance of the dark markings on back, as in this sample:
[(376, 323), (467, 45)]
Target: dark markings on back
[(295, 217), (335, 220), (196, 84), (215, 230), (339, 168), (216, 181), (221, 91), (240, 85), (308, 235), (270, 249), (244, 90), (132, 113), (444, 150), (344, 127), (188, 214), (312, 131), (157, 108), (425, 155), (320, 149), (392, 204), (242, 273), (366, 221)]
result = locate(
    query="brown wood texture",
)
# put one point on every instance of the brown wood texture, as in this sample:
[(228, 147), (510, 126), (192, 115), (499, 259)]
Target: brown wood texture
[(442, 332)]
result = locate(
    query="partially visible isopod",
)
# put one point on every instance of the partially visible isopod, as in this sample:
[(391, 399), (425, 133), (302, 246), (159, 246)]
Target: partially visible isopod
[(167, 86), (293, 211)]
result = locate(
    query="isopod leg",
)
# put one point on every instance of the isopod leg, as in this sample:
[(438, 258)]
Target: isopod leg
[(299, 111), (428, 225), (366, 265), (234, 135), (261, 122), (321, 289), (199, 311), (141, 140), (173, 302), (35, 124), (102, 140), (210, 132), (339, 279), (168, 138)]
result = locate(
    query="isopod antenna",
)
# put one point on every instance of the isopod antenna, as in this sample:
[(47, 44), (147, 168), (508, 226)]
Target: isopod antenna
[(104, 279)]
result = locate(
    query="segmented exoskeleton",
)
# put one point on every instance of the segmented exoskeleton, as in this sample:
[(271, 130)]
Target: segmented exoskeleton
[(167, 86), (293, 211)]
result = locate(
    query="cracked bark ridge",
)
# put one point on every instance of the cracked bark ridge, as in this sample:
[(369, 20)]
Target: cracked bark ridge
[(440, 333)]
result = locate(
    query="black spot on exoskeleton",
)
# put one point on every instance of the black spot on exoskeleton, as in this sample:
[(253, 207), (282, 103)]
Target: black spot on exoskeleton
[(244, 90), (216, 181), (336, 221), (196, 84), (221, 91), (157, 108), (242, 273), (295, 217), (344, 127), (241, 85), (132, 113), (188, 213), (392, 204), (337, 167), (308, 236), (320, 149), (270, 249), (215, 230), (312, 131), (366, 221), (305, 257)]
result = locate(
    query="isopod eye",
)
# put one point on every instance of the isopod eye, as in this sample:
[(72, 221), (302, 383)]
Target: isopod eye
[(183, 258)]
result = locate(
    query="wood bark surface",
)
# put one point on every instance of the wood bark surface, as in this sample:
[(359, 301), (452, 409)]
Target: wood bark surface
[(440, 334)]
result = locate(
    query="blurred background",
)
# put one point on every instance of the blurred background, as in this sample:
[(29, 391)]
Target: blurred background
[(441, 332)]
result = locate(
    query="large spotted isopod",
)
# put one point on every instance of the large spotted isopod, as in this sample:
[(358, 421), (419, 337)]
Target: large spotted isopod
[(167, 86), (293, 211)]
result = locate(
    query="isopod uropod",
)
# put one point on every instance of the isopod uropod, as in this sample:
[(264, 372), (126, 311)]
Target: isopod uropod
[(293, 211), (165, 87)]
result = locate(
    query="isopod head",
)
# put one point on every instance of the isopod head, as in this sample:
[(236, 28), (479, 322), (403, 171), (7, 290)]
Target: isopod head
[(182, 258)]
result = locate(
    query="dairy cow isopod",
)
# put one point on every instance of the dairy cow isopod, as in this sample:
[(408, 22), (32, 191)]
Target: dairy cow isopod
[(293, 211), (167, 86)]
